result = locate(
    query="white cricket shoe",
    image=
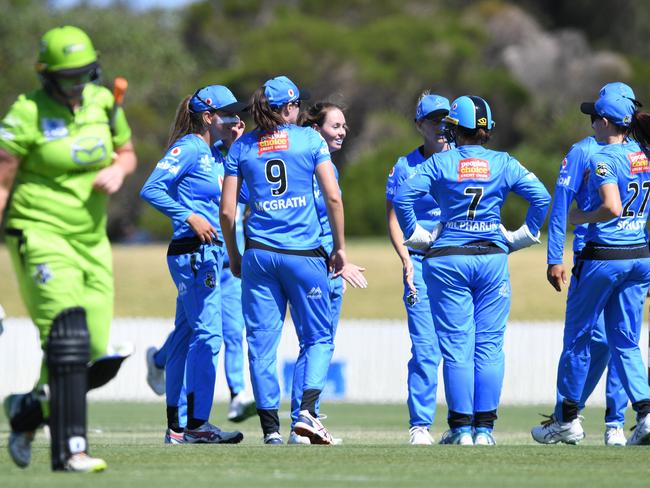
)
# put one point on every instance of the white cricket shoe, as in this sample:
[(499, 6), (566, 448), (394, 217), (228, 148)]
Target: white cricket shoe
[(273, 439), (310, 426), (551, 431), (483, 437), (155, 375), (615, 436), (83, 463), (419, 436), (241, 408), (298, 439), (461, 436), (641, 433)]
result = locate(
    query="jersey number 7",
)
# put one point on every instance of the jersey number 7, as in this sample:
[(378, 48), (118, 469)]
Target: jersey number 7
[(477, 194)]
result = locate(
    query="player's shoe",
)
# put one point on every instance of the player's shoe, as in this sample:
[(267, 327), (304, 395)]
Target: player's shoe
[(273, 439), (615, 436), (419, 436), (310, 426), (155, 375), (298, 439), (641, 432), (83, 463), (20, 443), (483, 437), (461, 436), (241, 408), (173, 437), (207, 433), (552, 431)]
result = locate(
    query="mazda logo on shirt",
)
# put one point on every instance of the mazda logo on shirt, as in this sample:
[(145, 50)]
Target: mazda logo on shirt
[(88, 150)]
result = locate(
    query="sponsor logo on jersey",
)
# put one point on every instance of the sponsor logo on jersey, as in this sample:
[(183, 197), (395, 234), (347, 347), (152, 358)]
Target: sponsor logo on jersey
[(392, 171), (175, 152), (6, 135), (638, 162), (210, 280), (564, 180), (206, 163), (54, 128), (167, 165), (564, 163), (43, 274), (602, 169), (281, 204), (276, 141), (88, 150), (504, 291), (473, 169), (315, 293)]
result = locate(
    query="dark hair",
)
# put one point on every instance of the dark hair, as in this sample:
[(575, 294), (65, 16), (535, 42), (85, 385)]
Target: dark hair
[(266, 118), (640, 128), (317, 113), (185, 122), (478, 136)]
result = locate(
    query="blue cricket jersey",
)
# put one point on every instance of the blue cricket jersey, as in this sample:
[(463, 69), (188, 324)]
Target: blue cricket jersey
[(570, 185), (278, 169), (326, 239), (625, 165), (470, 184), (186, 181), (220, 158), (426, 209)]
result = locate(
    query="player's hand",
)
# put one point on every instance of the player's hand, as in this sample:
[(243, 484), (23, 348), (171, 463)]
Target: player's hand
[(235, 265), (202, 228), (238, 129), (351, 273), (407, 271), (556, 276), (109, 180)]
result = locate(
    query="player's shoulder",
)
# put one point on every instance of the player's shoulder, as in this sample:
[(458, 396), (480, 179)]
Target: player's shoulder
[(99, 94)]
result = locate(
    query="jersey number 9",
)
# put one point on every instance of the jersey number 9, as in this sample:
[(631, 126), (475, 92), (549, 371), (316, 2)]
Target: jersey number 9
[(276, 173)]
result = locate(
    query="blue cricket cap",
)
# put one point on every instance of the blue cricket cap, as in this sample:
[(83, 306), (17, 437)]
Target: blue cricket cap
[(616, 108), (215, 97), (616, 89), (281, 90), (431, 104)]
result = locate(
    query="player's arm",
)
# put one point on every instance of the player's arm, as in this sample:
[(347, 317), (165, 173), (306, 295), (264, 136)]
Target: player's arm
[(110, 179), (397, 239), (408, 192), (334, 203), (8, 169), (228, 218), (611, 207), (555, 272)]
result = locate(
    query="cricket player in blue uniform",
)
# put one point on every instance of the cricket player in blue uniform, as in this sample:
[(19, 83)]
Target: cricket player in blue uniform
[(612, 272), (465, 266), (185, 187), (284, 261), (571, 186), (242, 406), (422, 380), (328, 120)]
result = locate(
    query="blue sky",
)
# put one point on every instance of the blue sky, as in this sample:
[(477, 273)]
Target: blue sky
[(136, 4)]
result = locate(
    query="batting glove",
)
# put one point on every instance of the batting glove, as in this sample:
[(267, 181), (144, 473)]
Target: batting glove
[(421, 239)]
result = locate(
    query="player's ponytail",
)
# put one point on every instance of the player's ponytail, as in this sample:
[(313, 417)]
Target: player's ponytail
[(185, 122), (265, 117), (640, 129)]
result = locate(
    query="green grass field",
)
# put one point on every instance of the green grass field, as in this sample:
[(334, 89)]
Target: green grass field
[(143, 287), (374, 453)]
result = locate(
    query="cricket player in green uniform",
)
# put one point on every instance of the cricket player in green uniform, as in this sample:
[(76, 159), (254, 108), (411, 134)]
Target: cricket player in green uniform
[(64, 149)]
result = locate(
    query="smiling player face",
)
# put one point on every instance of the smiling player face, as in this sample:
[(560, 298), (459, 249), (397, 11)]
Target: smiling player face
[(334, 129)]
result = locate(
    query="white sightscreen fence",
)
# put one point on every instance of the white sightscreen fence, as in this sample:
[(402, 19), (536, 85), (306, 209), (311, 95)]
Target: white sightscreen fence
[(369, 363)]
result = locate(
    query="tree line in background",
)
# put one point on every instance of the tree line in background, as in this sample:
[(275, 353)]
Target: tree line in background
[(534, 62)]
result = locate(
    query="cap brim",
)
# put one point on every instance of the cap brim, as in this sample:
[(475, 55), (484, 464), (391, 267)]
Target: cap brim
[(304, 95), (588, 108), (235, 108), (439, 112)]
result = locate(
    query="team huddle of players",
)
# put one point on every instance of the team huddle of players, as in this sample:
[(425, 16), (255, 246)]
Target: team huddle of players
[(258, 225)]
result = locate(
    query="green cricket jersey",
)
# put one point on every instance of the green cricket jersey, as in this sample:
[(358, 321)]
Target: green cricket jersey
[(60, 155)]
